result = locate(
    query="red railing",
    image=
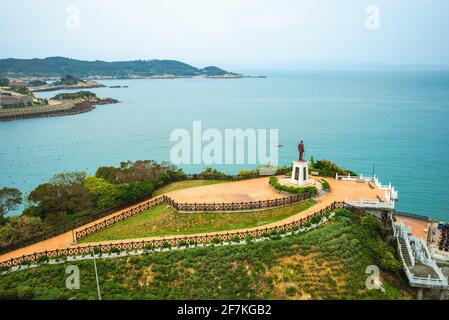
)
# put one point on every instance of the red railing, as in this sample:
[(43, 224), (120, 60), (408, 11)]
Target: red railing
[(233, 206), (173, 241)]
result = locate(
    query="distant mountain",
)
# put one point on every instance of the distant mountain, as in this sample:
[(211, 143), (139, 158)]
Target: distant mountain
[(60, 66)]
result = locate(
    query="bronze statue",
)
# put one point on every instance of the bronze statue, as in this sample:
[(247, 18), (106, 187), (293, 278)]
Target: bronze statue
[(301, 150)]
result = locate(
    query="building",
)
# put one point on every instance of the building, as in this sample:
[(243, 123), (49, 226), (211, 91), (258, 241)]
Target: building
[(13, 100), (18, 83)]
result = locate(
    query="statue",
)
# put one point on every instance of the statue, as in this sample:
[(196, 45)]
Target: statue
[(301, 150)]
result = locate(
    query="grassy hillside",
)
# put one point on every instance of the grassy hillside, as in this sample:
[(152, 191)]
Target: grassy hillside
[(60, 66), (164, 220), (325, 263)]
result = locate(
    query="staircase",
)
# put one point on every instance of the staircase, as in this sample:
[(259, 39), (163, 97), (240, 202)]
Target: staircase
[(321, 192), (404, 252)]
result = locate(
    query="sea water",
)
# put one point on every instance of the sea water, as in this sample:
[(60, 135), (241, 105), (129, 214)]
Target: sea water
[(395, 121)]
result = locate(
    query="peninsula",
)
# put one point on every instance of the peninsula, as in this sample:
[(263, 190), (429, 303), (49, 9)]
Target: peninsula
[(51, 67)]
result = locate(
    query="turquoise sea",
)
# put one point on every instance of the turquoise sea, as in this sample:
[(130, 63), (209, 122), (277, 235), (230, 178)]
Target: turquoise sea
[(398, 121)]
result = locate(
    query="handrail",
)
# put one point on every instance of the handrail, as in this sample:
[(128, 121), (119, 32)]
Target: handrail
[(233, 206), (414, 280), (176, 240), (412, 215)]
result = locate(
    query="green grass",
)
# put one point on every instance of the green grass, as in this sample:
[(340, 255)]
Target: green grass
[(326, 263), (184, 185), (163, 220)]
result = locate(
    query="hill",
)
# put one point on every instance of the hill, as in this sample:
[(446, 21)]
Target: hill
[(61, 66), (325, 263)]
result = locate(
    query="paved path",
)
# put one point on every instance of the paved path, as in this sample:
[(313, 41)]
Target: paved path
[(251, 189), (419, 227)]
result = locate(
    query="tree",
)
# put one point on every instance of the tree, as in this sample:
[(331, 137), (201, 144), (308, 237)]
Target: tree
[(137, 171), (105, 194), (10, 198), (19, 228), (65, 193), (4, 82)]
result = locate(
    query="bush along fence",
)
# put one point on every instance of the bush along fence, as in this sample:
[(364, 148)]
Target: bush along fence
[(191, 207), (169, 242)]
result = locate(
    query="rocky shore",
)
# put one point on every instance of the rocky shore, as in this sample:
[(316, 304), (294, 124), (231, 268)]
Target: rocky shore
[(58, 110), (85, 85)]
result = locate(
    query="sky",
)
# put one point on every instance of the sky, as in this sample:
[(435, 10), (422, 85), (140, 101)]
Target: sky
[(244, 34)]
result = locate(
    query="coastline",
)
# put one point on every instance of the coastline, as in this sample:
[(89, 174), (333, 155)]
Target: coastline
[(64, 109)]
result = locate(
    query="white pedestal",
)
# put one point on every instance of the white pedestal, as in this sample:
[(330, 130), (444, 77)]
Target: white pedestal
[(300, 173)]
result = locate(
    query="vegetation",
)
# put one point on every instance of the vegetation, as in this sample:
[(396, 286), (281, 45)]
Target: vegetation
[(64, 194), (274, 182), (10, 198), (141, 170), (326, 168), (59, 66), (85, 95), (15, 229), (21, 90), (326, 186), (4, 82), (178, 185), (37, 83), (326, 263), (68, 80), (67, 197), (163, 220)]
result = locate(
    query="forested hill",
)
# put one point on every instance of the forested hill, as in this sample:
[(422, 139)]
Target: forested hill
[(60, 66)]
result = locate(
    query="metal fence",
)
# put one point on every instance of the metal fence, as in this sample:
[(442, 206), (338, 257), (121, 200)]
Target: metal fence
[(413, 215), (192, 207), (174, 241), (79, 222)]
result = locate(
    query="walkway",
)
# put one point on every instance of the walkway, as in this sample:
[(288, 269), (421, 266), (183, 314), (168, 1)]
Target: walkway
[(246, 189)]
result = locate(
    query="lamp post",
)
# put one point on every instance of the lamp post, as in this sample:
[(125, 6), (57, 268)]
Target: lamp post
[(96, 275)]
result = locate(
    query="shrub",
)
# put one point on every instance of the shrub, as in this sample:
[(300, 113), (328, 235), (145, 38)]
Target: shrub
[(328, 169), (248, 239), (42, 259), (274, 182), (307, 224), (276, 237), (182, 243), (315, 219), (165, 245), (216, 241), (290, 291), (4, 268), (25, 262), (326, 186), (235, 238), (115, 250)]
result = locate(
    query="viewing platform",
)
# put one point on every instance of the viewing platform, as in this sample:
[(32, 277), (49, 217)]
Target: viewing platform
[(257, 189), (386, 195)]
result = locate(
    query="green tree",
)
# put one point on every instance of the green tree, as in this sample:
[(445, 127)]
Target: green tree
[(65, 193), (19, 228), (4, 82), (105, 194), (10, 198)]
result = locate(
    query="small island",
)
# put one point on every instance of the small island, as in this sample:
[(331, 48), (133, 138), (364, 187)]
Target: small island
[(66, 82)]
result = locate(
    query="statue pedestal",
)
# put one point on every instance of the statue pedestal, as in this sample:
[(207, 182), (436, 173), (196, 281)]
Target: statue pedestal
[(300, 173)]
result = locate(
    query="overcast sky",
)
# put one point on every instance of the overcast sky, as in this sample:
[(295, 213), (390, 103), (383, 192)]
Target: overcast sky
[(233, 34)]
